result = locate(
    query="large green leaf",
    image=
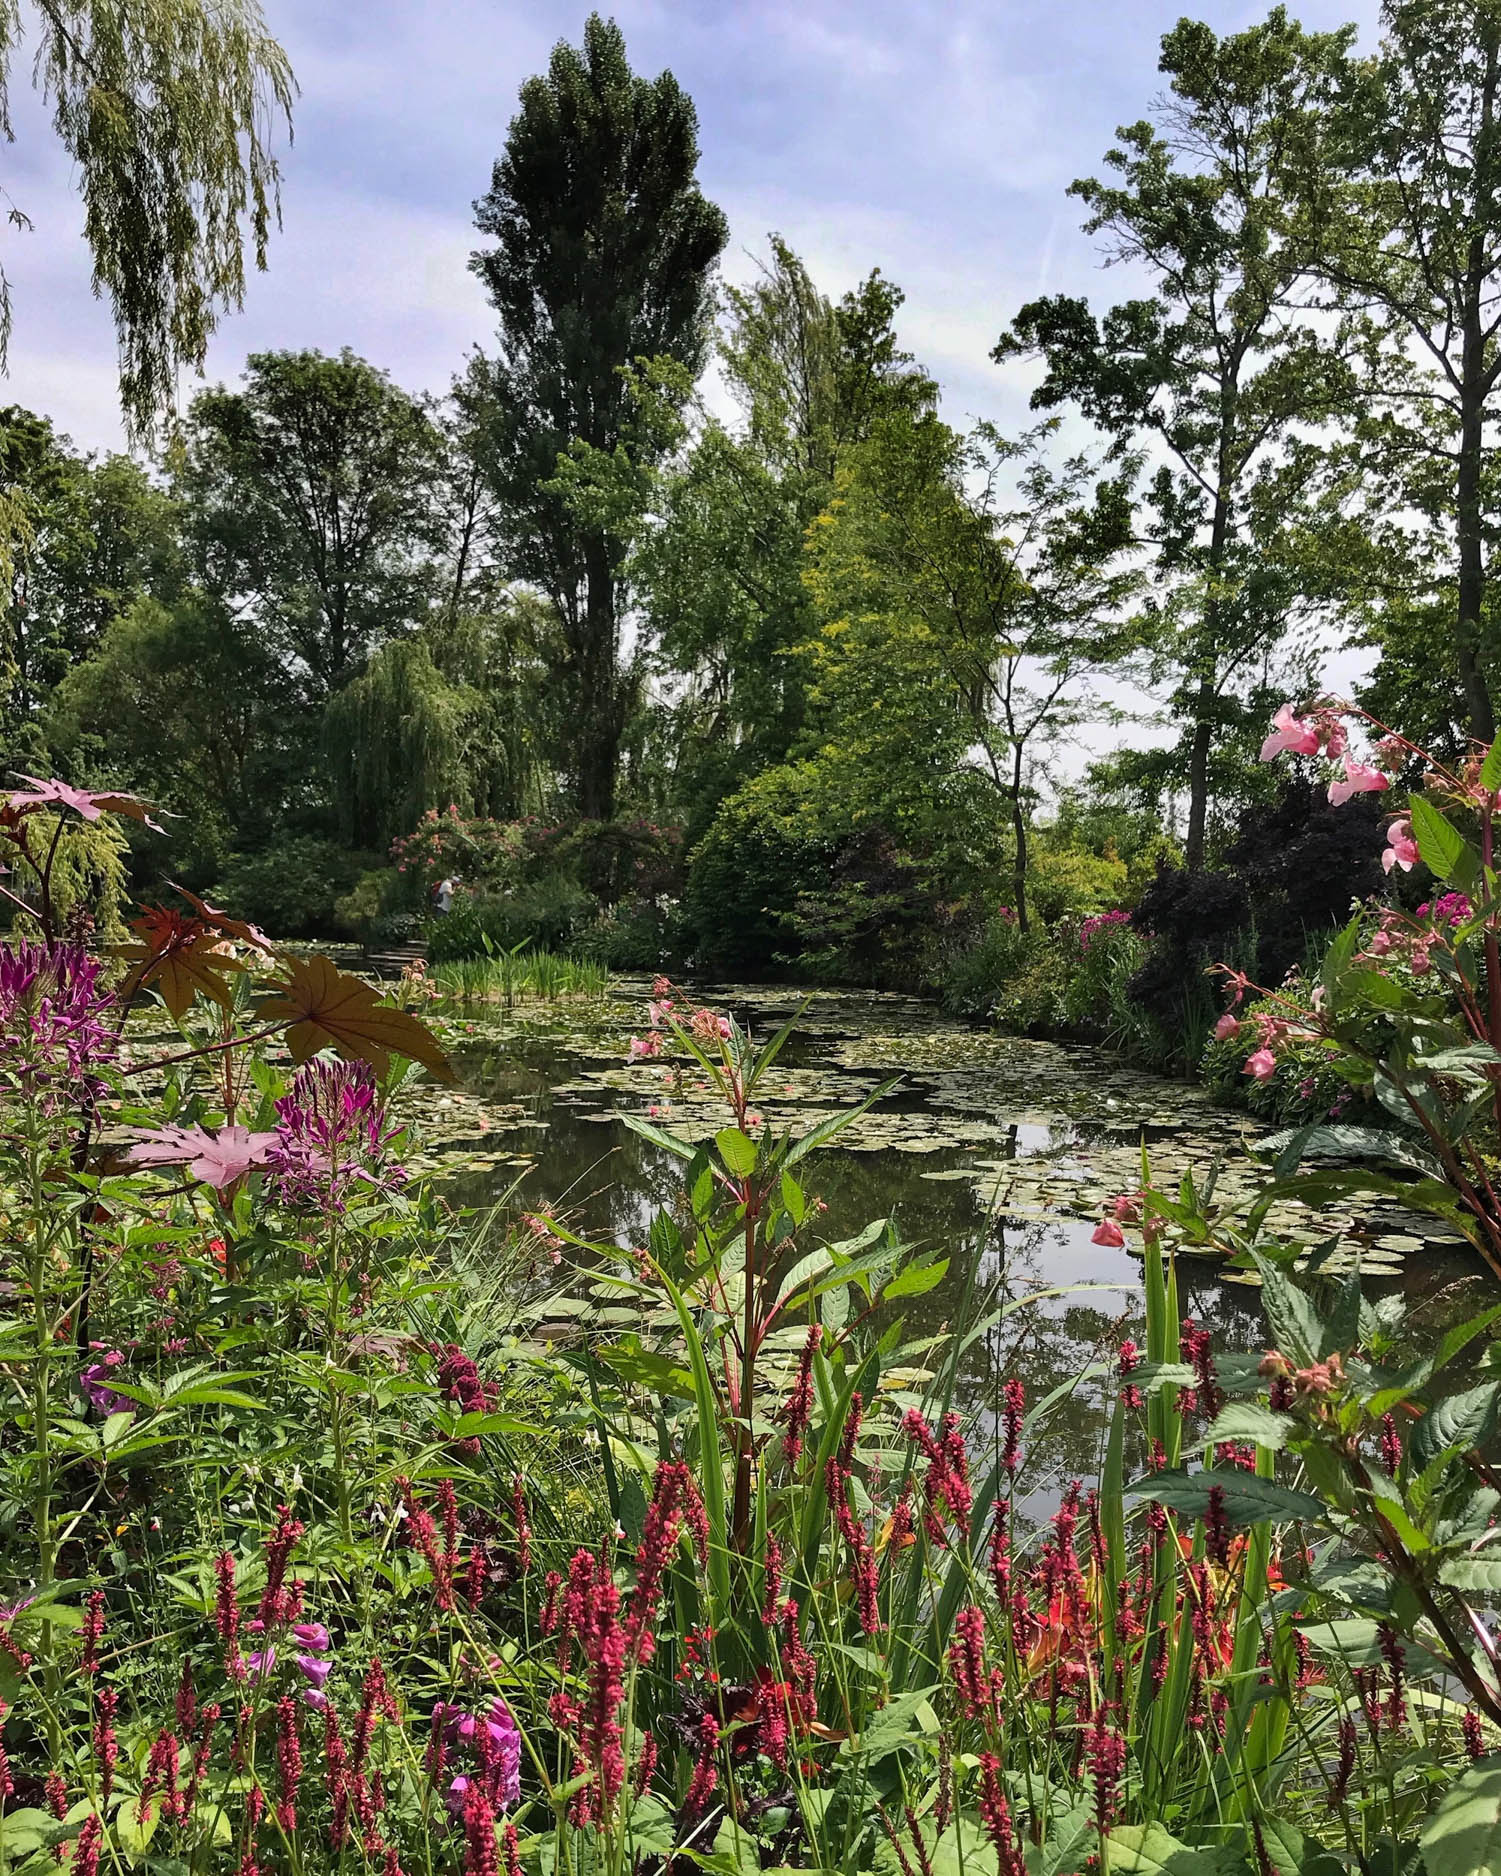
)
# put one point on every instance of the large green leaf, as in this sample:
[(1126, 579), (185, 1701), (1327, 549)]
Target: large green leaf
[(1479, 1575), (1461, 1421), (1149, 1850), (1247, 1499), (1463, 1836), (1336, 1142), (1442, 846)]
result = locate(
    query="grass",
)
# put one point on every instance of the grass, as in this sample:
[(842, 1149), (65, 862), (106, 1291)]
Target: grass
[(512, 977)]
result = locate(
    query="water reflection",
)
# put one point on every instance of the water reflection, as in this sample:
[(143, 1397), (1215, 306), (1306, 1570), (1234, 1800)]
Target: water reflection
[(609, 1184)]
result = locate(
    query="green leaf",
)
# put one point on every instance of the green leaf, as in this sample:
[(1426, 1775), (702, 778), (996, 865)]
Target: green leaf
[(794, 1199), (916, 1280), (737, 1151), (1480, 1575), (901, 1722), (1292, 1853), (1247, 1499), (1442, 846), (1462, 1421), (1149, 1850), (1337, 1142), (1463, 1836), (1490, 769), (1241, 1420), (658, 1136)]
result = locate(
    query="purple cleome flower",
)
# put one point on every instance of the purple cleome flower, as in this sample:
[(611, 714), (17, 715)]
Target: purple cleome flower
[(52, 1015), (331, 1132)]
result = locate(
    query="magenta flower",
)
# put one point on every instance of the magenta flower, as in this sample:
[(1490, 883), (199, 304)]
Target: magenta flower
[(262, 1662), (1291, 734), (1108, 1233), (101, 1397), (219, 1160), (52, 1015), (1401, 848), (1360, 779), (331, 1132), (312, 1635), (1262, 1065), (313, 1671)]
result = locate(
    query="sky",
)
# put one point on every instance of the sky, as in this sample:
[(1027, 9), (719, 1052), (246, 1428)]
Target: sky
[(934, 139)]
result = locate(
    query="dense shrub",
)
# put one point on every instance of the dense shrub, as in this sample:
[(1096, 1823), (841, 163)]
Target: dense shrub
[(292, 889)]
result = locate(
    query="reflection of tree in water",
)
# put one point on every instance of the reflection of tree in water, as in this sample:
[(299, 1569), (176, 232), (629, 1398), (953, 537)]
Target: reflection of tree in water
[(609, 1184)]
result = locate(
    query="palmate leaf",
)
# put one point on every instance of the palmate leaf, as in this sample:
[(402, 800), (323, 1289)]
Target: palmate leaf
[(326, 1007), (181, 957)]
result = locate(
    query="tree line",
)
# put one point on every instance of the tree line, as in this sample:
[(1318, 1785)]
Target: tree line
[(838, 643)]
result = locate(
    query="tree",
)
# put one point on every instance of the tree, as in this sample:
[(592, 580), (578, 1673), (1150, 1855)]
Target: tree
[(310, 502), (1399, 175), (91, 537), (1216, 368), (183, 702), (167, 109), (604, 251), (1015, 572), (457, 715)]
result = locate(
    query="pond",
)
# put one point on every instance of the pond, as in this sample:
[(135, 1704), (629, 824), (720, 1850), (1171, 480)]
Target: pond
[(996, 1151)]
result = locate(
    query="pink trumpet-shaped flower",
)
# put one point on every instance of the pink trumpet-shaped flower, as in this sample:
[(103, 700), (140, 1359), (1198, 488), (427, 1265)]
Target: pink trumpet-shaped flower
[(1227, 1028), (1401, 848), (1360, 779), (1291, 734), (1108, 1233), (1262, 1065)]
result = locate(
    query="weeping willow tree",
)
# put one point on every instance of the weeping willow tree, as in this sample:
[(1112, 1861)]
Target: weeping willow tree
[(169, 110), (450, 716)]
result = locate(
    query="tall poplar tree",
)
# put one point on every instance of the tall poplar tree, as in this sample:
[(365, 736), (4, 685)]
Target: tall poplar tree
[(1214, 370), (604, 250)]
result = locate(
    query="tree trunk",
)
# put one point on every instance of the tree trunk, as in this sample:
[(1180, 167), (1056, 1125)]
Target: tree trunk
[(598, 728), (1019, 832), (1477, 694), (1198, 777)]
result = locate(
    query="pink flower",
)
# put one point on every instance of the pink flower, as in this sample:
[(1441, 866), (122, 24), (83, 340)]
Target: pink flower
[(645, 1048), (1263, 1065), (1227, 1028), (1401, 848), (217, 1159), (1290, 733), (1360, 779), (1108, 1233), (313, 1670)]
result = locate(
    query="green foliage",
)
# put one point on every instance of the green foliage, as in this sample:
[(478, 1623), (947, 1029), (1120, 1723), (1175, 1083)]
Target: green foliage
[(603, 251), (309, 495), (295, 888), (166, 109)]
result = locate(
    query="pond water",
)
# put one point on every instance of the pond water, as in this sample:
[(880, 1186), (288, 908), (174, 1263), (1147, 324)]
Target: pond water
[(995, 1151)]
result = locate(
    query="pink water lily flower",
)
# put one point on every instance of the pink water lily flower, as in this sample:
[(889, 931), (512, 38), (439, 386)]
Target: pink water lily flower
[(1360, 779), (1401, 848), (217, 1159), (1263, 1065), (1291, 734)]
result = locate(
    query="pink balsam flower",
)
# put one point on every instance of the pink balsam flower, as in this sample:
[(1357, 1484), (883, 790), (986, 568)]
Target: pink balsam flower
[(1360, 779), (1290, 734)]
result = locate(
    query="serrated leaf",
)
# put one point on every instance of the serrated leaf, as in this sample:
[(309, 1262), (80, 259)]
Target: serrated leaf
[(326, 1007), (1442, 847), (1149, 1850), (1245, 1420), (1479, 1575), (915, 1280)]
